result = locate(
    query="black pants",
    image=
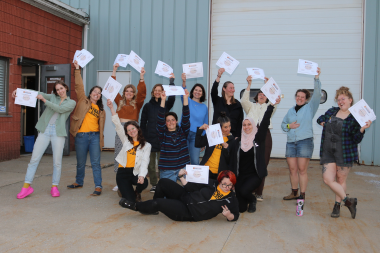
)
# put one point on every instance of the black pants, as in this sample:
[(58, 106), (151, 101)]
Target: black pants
[(172, 206), (244, 188), (212, 175), (125, 181)]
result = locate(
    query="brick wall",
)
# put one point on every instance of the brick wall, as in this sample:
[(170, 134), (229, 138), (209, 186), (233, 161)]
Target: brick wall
[(33, 33)]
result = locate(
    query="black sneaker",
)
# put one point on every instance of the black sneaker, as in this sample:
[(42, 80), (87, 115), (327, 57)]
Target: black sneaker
[(336, 211), (127, 204), (252, 206), (153, 189)]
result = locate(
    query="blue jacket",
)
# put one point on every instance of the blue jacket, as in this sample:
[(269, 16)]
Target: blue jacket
[(304, 117)]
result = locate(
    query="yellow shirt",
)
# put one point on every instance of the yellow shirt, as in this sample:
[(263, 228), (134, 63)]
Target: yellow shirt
[(131, 156), (213, 161), (91, 120), (219, 194)]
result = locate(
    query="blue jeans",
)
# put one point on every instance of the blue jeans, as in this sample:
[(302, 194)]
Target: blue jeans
[(42, 142), (85, 142), (193, 151), (170, 174), (303, 148)]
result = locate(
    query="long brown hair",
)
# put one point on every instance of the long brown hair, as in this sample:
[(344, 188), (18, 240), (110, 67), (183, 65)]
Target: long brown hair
[(99, 103), (140, 136), (124, 100), (154, 87), (61, 83), (224, 94)]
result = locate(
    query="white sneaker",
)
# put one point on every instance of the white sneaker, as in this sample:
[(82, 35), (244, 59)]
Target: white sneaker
[(115, 188), (259, 197)]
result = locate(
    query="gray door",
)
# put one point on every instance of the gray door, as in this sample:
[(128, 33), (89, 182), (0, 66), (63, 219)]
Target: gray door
[(49, 75)]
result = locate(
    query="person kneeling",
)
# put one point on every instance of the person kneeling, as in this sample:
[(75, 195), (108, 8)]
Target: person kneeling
[(193, 202), (133, 158)]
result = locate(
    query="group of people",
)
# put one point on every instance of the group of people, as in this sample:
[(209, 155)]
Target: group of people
[(237, 167)]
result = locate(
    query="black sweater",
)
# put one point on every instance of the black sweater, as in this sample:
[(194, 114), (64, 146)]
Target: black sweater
[(201, 207), (259, 149), (235, 113), (201, 141), (148, 121)]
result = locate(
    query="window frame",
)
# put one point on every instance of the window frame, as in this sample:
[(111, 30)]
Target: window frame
[(6, 86)]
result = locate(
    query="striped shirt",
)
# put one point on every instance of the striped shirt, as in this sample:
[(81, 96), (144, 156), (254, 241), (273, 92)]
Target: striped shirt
[(351, 135), (174, 150)]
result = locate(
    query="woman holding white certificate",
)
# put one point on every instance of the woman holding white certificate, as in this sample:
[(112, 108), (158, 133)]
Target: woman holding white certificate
[(198, 117), (227, 103), (256, 111), (129, 105), (298, 123), (339, 148), (52, 129), (216, 157), (247, 156), (193, 201)]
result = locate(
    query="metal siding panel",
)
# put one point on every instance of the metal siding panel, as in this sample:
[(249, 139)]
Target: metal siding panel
[(371, 143), (273, 36), (114, 31)]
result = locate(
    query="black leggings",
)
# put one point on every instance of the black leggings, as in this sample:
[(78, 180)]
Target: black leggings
[(244, 188), (172, 206), (125, 181)]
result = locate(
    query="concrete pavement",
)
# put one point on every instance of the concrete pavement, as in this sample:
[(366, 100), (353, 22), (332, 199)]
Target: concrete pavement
[(78, 222)]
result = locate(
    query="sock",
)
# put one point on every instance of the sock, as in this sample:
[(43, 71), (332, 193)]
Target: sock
[(54, 186), (303, 195), (337, 203), (295, 191), (26, 185), (345, 198)]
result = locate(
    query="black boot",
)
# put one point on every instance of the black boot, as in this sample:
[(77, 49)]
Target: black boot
[(127, 204), (252, 205), (351, 205), (336, 211)]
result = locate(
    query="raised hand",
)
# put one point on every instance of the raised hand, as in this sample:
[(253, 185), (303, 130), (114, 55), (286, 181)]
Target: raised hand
[(249, 80), (221, 71), (76, 64), (183, 76), (186, 94), (172, 75), (367, 125), (266, 79), (278, 100), (14, 93), (163, 96), (319, 72), (109, 103), (142, 73), (116, 66)]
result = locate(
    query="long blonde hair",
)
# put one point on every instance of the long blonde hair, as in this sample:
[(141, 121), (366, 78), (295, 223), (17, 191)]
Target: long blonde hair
[(124, 101)]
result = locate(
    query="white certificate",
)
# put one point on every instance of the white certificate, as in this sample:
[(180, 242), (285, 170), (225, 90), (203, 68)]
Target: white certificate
[(172, 90), (307, 67), (214, 135), (197, 174), (227, 62), (111, 89), (75, 55), (271, 90), (256, 73), (163, 69), (26, 97), (122, 59), (193, 70), (135, 61), (83, 57), (362, 112)]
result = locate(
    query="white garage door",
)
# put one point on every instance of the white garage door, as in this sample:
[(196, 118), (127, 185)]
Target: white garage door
[(273, 35)]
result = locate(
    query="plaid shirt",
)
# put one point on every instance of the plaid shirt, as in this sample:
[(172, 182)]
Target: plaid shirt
[(351, 135)]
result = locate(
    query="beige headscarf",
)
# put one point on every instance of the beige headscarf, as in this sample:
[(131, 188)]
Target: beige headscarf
[(247, 139)]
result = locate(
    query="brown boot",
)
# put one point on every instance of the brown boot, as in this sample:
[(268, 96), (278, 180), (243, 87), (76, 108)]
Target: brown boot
[(138, 196), (351, 205), (293, 195)]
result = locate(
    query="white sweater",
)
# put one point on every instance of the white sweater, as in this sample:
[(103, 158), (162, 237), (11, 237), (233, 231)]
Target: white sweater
[(142, 154), (255, 110)]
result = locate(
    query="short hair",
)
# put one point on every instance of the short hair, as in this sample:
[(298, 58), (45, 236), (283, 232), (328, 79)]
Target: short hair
[(307, 93), (203, 97), (344, 91), (61, 83), (256, 98), (227, 174), (154, 87), (171, 114)]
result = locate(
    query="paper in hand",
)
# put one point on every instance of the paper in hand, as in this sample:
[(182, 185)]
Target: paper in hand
[(193, 70), (163, 69), (111, 89), (271, 90), (83, 57), (135, 61), (307, 67), (214, 135), (122, 59), (172, 90), (197, 174), (362, 112), (227, 62), (256, 73), (26, 97)]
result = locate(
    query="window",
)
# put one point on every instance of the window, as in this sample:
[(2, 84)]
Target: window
[(3, 85)]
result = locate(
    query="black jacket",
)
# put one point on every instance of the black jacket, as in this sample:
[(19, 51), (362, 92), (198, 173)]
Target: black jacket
[(236, 114), (259, 149), (201, 141), (201, 207), (148, 121)]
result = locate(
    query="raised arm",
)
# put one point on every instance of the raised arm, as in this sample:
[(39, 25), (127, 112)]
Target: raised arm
[(316, 98), (118, 126), (79, 87), (185, 124), (245, 103), (161, 117), (214, 89), (141, 90), (171, 99)]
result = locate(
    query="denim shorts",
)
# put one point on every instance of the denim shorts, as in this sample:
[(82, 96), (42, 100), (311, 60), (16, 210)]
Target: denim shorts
[(303, 148)]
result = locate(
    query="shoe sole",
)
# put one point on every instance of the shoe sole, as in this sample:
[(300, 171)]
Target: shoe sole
[(74, 187), (261, 200), (19, 197)]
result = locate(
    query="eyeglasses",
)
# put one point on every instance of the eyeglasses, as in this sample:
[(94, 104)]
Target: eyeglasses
[(131, 129), (228, 185)]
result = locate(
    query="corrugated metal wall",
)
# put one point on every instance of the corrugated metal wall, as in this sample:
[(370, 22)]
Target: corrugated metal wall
[(371, 92), (173, 31)]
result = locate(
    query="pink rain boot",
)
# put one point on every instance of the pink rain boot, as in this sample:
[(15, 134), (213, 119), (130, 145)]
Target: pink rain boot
[(54, 192), (25, 192)]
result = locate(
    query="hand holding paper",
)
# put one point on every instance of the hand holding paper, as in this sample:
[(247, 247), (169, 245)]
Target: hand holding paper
[(135, 61), (362, 113), (122, 59), (256, 73), (163, 69), (193, 70), (227, 62), (26, 97), (171, 90), (197, 174), (307, 67), (83, 57), (111, 89), (271, 90), (214, 135)]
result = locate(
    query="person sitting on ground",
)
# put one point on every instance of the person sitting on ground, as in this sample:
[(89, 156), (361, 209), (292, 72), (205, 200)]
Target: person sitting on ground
[(193, 202)]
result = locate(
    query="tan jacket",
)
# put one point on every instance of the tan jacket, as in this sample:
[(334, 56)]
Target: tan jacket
[(83, 105)]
